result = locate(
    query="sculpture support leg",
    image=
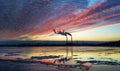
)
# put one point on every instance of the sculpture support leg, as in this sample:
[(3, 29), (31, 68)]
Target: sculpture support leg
[(71, 48), (66, 46)]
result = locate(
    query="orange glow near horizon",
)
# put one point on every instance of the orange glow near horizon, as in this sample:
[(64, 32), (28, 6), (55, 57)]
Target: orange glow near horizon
[(96, 34)]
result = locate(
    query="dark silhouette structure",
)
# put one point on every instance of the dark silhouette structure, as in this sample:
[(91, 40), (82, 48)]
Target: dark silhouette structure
[(65, 34)]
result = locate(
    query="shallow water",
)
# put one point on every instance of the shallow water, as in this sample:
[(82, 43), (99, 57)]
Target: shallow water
[(80, 53)]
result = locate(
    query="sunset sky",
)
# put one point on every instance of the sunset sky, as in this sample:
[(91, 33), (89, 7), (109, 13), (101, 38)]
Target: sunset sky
[(92, 20)]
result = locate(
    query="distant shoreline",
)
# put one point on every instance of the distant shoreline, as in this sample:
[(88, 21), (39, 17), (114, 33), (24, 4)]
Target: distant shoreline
[(58, 43)]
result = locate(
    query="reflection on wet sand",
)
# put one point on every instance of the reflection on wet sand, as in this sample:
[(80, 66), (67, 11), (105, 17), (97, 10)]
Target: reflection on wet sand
[(49, 59), (80, 53)]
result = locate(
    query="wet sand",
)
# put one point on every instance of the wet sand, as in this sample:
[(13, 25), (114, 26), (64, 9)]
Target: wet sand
[(10, 66)]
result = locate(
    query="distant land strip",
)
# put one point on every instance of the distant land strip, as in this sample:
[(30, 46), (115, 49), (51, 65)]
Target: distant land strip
[(58, 43)]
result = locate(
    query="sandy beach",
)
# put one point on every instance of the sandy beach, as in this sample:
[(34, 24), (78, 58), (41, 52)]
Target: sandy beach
[(11, 66)]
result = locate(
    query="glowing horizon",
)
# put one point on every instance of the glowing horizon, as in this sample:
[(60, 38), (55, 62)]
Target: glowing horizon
[(95, 34)]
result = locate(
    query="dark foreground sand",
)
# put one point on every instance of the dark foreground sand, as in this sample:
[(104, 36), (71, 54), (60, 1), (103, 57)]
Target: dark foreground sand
[(10, 66)]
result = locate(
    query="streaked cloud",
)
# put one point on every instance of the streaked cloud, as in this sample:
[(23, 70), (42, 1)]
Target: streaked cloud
[(39, 17)]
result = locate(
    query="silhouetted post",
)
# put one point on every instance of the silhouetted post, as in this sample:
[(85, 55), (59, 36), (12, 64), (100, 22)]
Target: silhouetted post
[(66, 39), (71, 47), (66, 46), (71, 39)]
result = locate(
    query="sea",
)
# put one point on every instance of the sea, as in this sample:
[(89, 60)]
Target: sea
[(83, 53)]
